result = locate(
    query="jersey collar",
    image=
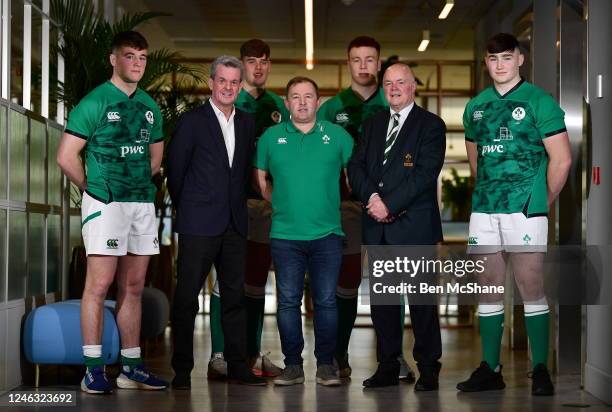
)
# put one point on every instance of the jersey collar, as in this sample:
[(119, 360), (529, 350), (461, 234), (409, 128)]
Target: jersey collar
[(129, 96), (249, 96), (290, 127), (369, 99), (516, 86)]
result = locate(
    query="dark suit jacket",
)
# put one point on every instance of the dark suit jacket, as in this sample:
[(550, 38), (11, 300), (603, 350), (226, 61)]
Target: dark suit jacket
[(407, 184), (206, 192)]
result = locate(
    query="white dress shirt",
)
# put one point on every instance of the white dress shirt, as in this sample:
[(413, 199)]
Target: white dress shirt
[(403, 115), (227, 128)]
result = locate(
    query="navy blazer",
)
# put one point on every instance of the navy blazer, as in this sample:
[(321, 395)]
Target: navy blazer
[(407, 183), (205, 191)]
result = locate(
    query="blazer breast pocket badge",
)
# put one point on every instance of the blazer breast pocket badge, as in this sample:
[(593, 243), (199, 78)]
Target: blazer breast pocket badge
[(408, 160)]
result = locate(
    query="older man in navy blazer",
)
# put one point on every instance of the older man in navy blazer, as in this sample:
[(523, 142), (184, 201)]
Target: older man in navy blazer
[(394, 173), (209, 166)]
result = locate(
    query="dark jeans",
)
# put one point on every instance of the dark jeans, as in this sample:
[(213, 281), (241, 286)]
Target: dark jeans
[(321, 258), (196, 255)]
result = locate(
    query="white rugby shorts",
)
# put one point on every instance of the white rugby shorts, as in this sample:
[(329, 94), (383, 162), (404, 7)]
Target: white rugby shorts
[(510, 232), (118, 228)]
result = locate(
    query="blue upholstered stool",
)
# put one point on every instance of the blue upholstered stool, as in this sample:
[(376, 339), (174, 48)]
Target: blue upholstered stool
[(52, 335)]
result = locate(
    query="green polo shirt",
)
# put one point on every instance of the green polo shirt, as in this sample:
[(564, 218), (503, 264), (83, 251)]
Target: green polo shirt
[(305, 169)]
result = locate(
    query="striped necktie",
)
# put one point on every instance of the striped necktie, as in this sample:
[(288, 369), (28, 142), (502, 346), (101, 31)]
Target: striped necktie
[(391, 137)]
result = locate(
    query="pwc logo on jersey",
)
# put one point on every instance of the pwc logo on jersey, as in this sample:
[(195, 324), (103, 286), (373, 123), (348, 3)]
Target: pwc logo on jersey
[(113, 116), (492, 148), (132, 150)]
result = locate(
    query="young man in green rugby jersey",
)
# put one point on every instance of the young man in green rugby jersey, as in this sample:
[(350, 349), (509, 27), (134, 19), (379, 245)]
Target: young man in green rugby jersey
[(518, 149), (120, 128), (268, 109), (349, 109)]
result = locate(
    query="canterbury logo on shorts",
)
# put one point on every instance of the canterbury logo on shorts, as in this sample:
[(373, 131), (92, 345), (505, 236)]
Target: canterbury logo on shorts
[(112, 243)]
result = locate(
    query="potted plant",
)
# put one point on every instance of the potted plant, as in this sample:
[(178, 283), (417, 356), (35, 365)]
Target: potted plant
[(457, 195)]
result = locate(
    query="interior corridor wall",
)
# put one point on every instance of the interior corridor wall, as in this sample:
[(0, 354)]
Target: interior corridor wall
[(598, 368)]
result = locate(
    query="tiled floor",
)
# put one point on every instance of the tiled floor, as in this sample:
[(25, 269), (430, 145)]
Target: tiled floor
[(461, 356)]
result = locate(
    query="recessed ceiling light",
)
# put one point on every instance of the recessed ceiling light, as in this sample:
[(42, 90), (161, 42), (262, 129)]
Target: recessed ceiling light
[(308, 23), (424, 41), (447, 9)]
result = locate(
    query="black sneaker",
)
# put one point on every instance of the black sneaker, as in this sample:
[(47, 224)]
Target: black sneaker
[(483, 379), (541, 385)]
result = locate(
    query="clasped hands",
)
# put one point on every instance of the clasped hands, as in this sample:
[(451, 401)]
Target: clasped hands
[(378, 210)]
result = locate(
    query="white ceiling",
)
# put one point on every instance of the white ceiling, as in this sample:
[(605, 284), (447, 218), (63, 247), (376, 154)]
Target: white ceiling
[(209, 28)]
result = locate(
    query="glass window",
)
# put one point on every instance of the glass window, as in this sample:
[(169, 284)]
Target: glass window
[(452, 111), (3, 159), (456, 77), (18, 156), (75, 233), (427, 76), (17, 255), (36, 62), (431, 104), (55, 174), (17, 51), (53, 253), (2, 254), (455, 146), (36, 254), (75, 196), (38, 148), (53, 84)]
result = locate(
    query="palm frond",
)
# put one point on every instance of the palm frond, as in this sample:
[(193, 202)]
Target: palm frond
[(163, 62)]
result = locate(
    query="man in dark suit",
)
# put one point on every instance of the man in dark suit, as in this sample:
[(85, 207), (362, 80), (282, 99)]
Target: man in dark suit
[(209, 165), (394, 174)]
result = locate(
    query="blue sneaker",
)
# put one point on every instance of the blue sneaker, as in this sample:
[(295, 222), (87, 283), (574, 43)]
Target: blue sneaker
[(95, 381), (138, 378)]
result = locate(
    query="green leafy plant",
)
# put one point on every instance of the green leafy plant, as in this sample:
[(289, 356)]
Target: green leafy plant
[(85, 46), (457, 195)]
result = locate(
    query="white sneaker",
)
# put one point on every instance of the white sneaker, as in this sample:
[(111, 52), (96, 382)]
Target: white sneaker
[(217, 366), (263, 366)]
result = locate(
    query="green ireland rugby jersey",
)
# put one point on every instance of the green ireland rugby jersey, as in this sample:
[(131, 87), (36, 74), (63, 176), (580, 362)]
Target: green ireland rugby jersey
[(349, 111), (118, 129), (508, 131), (268, 109)]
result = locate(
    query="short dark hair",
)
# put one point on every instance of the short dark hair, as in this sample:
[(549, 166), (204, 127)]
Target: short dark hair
[(363, 41), (129, 38), (301, 79), (502, 42), (254, 48)]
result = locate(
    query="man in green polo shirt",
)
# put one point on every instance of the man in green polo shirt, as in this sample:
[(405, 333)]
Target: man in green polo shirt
[(268, 109), (304, 159), (350, 109)]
